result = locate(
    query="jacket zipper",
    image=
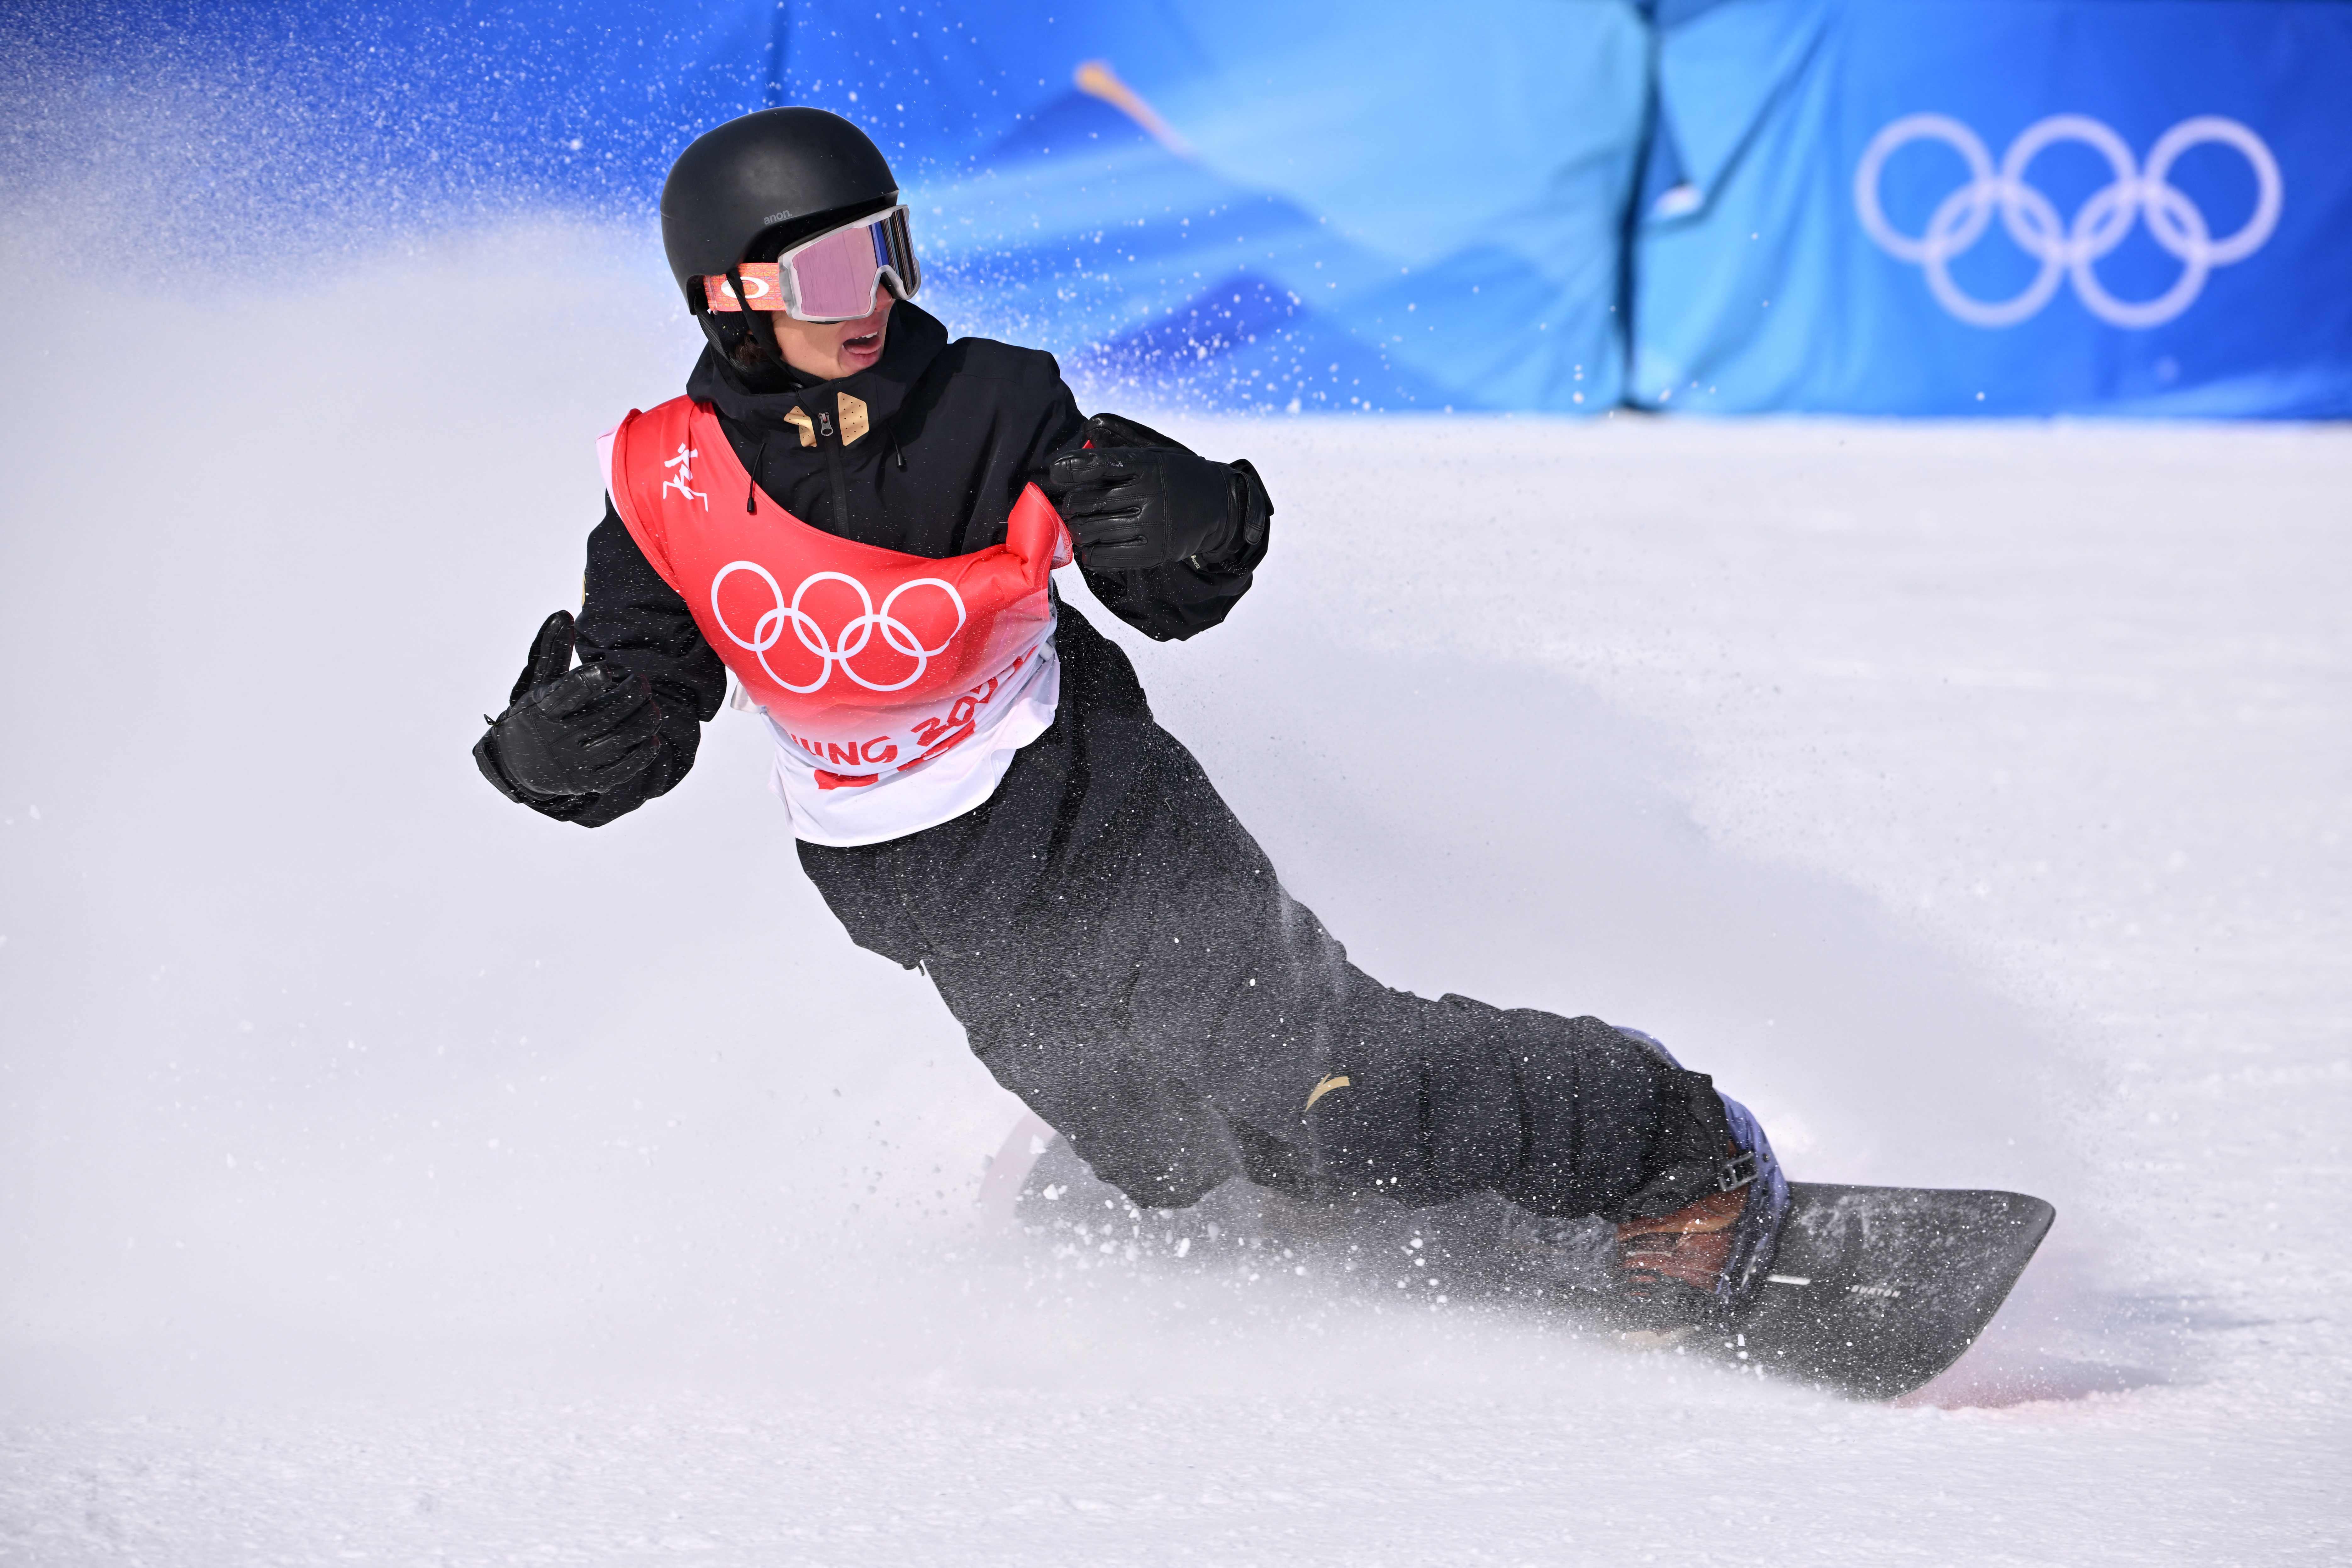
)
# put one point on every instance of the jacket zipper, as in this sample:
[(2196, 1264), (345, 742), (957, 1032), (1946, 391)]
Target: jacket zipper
[(831, 445)]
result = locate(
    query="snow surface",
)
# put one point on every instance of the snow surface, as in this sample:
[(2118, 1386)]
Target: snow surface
[(389, 1176)]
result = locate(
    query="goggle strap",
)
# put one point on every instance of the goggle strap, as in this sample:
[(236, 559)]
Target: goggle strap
[(721, 291)]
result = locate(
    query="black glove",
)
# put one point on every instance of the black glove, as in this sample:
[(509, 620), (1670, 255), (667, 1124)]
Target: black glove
[(1137, 500), (568, 734)]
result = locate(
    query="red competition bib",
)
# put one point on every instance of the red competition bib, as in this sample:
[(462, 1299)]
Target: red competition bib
[(869, 660)]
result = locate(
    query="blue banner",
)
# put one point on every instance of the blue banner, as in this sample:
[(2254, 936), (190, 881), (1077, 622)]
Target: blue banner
[(1877, 207), (1998, 207)]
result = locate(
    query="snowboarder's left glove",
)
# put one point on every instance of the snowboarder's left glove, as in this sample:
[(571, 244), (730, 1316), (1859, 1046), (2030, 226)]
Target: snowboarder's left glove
[(1134, 507)]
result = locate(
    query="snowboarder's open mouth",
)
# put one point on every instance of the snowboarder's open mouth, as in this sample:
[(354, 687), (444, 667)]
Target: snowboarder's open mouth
[(865, 348)]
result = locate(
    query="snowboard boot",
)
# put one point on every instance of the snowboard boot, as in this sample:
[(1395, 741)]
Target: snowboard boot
[(1707, 1260)]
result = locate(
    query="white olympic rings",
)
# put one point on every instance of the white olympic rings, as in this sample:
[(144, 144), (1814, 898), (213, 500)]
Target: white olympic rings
[(769, 630), (2066, 250)]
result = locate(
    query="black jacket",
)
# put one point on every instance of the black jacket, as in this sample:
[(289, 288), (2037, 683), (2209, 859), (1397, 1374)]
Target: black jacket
[(953, 432)]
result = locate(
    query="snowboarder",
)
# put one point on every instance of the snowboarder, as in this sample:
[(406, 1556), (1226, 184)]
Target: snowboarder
[(859, 518)]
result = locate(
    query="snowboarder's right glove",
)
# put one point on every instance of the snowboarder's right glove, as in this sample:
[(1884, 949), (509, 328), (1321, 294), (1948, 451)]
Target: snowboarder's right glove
[(568, 735), (1136, 500)]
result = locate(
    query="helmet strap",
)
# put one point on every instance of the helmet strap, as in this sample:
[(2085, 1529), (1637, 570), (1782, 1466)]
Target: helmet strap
[(755, 326)]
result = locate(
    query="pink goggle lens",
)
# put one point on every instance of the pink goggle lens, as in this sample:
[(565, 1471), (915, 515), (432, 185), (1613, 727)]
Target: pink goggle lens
[(834, 278)]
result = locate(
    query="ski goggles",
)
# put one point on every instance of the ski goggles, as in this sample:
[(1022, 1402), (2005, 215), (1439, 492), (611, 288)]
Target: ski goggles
[(833, 278)]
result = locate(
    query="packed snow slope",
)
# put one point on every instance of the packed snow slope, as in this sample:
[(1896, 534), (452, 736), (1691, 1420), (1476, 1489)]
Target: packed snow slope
[(387, 1174)]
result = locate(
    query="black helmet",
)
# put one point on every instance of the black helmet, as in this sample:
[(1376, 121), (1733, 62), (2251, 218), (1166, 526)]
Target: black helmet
[(766, 181)]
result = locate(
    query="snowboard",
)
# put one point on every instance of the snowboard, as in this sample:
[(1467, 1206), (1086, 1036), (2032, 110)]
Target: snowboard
[(1873, 1291)]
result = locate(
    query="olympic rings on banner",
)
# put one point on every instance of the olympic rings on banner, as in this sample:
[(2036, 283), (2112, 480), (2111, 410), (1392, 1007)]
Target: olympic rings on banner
[(2065, 249), (769, 630)]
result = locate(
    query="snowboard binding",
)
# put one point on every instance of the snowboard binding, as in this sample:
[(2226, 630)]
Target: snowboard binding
[(1707, 1261)]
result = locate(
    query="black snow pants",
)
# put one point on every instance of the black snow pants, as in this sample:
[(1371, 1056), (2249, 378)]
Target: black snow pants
[(1122, 957)]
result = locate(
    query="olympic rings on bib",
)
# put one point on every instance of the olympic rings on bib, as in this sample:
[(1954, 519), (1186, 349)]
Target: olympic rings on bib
[(2068, 249), (854, 634)]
